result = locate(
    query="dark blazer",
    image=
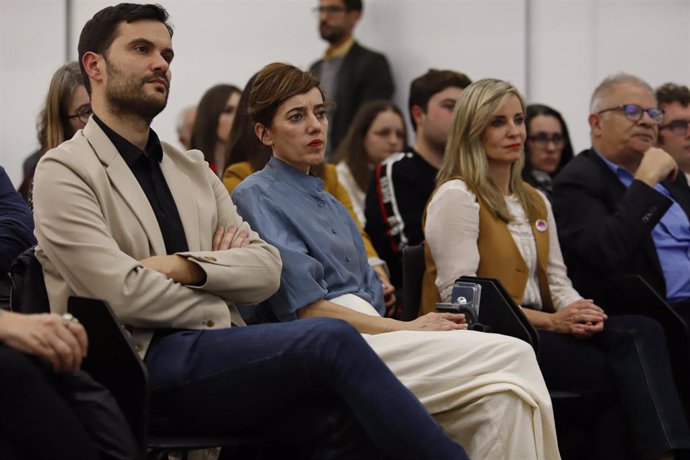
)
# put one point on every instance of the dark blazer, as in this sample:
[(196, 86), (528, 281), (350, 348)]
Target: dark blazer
[(605, 228), (16, 223), (364, 76)]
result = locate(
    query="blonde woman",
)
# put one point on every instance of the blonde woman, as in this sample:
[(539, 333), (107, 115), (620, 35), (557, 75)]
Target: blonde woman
[(484, 220)]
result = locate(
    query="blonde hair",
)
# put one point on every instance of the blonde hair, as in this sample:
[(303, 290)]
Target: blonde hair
[(53, 125), (465, 156)]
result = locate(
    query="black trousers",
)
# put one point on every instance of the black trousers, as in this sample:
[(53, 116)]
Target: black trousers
[(52, 416), (629, 360)]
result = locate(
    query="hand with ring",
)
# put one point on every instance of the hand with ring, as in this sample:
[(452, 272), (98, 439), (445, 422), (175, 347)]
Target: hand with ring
[(60, 340)]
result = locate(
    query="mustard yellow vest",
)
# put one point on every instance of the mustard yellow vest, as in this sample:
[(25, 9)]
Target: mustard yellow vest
[(499, 257)]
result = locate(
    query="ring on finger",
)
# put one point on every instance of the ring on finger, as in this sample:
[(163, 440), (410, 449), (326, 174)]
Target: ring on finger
[(69, 318)]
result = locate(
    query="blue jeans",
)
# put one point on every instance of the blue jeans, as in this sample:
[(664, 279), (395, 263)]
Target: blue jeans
[(630, 359), (314, 382)]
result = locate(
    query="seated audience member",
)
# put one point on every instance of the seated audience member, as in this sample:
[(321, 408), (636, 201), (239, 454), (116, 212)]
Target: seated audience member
[(66, 110), (16, 232), (619, 206), (212, 123), (185, 124), (483, 220), (402, 184), (674, 135), (547, 148), (376, 132), (246, 155), (49, 408), (482, 388), (153, 232)]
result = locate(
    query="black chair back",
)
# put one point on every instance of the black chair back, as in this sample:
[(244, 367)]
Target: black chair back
[(498, 310), (29, 293), (413, 266), (113, 362)]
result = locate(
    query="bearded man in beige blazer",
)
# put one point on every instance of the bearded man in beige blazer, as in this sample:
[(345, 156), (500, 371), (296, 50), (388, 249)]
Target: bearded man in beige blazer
[(152, 230)]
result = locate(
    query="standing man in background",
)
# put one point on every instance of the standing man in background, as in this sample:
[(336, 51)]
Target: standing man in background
[(349, 74)]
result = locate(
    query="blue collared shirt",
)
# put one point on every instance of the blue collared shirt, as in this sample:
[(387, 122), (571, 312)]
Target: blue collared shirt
[(671, 238), (321, 247)]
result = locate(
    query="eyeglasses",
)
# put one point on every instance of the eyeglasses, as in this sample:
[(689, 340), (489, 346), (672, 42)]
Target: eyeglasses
[(328, 10), (633, 112), (543, 139), (677, 127), (83, 113)]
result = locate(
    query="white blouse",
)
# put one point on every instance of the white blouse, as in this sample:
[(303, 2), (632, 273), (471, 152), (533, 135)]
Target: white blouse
[(452, 231), (357, 195)]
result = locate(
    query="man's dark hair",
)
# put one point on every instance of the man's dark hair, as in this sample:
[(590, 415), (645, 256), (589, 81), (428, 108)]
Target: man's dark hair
[(99, 31), (353, 5), (670, 92), (434, 81)]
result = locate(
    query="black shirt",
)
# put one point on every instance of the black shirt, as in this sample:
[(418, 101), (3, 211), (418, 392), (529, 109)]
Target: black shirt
[(146, 168), (397, 195)]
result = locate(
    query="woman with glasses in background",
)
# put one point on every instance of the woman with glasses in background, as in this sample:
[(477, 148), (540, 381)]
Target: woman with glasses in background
[(66, 111), (547, 149)]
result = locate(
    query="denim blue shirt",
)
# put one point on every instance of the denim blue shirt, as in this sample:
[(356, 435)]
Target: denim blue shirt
[(321, 247), (671, 238)]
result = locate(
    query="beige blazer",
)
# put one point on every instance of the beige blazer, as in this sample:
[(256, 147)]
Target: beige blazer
[(94, 223)]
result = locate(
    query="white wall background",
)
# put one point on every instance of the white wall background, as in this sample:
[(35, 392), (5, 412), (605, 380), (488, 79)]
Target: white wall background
[(555, 51)]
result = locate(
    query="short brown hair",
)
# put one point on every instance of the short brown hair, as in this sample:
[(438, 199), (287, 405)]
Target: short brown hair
[(434, 81), (670, 92), (274, 84), (99, 31)]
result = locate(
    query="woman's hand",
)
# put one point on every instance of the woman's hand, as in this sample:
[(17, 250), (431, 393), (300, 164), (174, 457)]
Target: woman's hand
[(437, 322), (388, 290), (59, 341), (581, 318)]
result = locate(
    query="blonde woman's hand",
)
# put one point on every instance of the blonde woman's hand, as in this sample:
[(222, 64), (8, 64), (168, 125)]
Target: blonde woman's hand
[(581, 318)]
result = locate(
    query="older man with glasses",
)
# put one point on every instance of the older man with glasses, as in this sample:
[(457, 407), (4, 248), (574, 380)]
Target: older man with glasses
[(621, 207)]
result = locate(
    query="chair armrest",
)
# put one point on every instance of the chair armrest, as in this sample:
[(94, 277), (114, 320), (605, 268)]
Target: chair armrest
[(498, 311)]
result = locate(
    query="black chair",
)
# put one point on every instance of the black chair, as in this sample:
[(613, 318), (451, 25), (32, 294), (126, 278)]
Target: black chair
[(572, 409), (496, 310), (28, 293), (413, 266), (113, 362)]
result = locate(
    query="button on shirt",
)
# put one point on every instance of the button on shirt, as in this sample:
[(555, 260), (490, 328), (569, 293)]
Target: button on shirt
[(146, 168), (671, 238), (321, 247)]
